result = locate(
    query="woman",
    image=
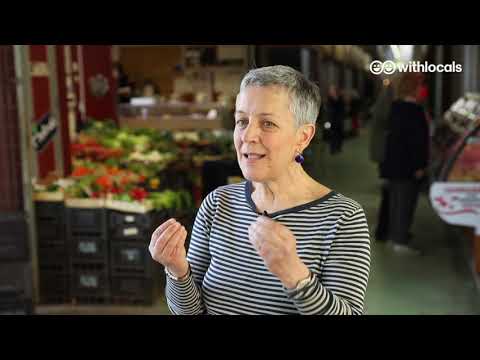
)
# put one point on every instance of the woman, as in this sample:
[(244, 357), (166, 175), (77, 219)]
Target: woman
[(278, 243), (406, 160)]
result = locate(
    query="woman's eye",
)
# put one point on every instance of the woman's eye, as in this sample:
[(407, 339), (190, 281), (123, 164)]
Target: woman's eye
[(241, 122), (268, 124)]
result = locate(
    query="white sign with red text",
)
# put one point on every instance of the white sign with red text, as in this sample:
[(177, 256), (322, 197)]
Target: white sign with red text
[(457, 203)]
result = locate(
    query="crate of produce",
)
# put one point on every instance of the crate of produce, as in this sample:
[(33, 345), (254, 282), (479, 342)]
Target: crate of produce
[(90, 284), (88, 249), (54, 287)]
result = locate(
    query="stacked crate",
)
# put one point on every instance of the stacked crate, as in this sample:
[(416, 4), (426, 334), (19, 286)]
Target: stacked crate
[(15, 268), (136, 278), (53, 257), (89, 254)]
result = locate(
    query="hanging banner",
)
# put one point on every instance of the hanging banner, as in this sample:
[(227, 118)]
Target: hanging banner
[(457, 203), (43, 132)]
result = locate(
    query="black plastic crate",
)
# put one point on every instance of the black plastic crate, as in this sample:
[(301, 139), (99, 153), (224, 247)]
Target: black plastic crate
[(51, 212), (135, 291), (14, 303), (82, 221), (50, 221), (130, 226), (16, 277), (88, 249), (54, 287), (129, 232), (142, 221), (53, 254), (131, 258), (90, 283), (50, 232), (13, 237)]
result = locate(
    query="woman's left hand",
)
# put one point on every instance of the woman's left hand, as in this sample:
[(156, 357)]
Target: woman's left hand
[(277, 246)]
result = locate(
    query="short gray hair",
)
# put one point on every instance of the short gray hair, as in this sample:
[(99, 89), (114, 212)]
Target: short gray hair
[(305, 99)]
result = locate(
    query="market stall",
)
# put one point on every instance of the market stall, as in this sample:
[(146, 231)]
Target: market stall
[(94, 226), (455, 192)]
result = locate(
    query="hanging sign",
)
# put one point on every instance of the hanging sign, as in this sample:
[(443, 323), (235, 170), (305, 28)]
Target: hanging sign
[(43, 132)]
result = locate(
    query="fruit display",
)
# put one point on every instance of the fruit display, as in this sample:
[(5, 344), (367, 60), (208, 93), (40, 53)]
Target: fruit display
[(151, 168)]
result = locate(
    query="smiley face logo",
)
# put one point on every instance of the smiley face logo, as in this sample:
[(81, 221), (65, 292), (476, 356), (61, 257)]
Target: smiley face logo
[(376, 67), (389, 67)]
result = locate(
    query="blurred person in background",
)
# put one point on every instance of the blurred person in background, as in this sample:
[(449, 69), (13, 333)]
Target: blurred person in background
[(335, 109), (380, 116), (124, 87), (279, 242), (354, 112), (406, 160)]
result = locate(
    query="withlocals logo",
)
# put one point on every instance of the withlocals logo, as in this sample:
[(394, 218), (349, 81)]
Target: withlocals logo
[(389, 67), (43, 132)]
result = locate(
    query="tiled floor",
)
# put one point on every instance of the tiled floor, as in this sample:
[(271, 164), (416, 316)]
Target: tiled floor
[(439, 282)]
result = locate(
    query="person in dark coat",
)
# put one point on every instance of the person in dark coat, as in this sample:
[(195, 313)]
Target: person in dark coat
[(406, 160), (379, 125)]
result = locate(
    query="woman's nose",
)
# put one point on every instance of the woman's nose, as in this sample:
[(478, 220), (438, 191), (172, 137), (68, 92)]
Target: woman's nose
[(251, 133)]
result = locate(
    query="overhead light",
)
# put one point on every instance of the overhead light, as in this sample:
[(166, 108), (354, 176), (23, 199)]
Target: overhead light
[(397, 54)]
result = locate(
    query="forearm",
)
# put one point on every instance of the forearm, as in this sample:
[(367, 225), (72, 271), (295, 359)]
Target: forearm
[(184, 297), (316, 299)]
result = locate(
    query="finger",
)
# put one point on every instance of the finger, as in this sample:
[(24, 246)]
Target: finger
[(256, 238), (265, 220), (159, 235), (158, 231), (174, 242), (166, 236)]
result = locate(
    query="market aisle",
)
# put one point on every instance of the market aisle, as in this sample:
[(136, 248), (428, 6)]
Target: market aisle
[(437, 283)]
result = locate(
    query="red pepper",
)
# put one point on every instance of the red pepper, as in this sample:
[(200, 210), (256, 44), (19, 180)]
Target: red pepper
[(115, 190), (81, 171), (104, 182), (138, 194)]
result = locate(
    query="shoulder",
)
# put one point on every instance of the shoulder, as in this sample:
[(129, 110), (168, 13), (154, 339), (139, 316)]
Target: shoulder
[(340, 209), (225, 194), (348, 205)]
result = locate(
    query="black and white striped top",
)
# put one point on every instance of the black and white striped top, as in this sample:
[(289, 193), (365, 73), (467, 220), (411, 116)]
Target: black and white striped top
[(229, 277)]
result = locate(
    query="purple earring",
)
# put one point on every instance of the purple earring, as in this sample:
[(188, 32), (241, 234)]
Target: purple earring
[(299, 159)]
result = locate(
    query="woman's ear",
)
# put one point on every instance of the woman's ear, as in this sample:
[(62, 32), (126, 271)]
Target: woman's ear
[(305, 134)]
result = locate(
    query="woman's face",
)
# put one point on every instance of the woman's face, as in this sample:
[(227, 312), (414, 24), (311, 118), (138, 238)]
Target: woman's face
[(265, 136)]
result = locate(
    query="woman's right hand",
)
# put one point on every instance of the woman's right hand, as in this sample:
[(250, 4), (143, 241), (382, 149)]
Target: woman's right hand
[(167, 247)]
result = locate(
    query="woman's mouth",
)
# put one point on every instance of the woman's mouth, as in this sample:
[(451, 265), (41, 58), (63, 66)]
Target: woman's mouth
[(253, 157)]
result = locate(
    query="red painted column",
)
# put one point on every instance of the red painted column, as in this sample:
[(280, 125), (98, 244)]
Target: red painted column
[(41, 106), (63, 104), (96, 63)]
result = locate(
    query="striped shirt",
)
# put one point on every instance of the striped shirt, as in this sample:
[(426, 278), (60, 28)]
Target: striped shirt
[(229, 277)]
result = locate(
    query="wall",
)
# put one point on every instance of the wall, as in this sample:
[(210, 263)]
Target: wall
[(154, 62)]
